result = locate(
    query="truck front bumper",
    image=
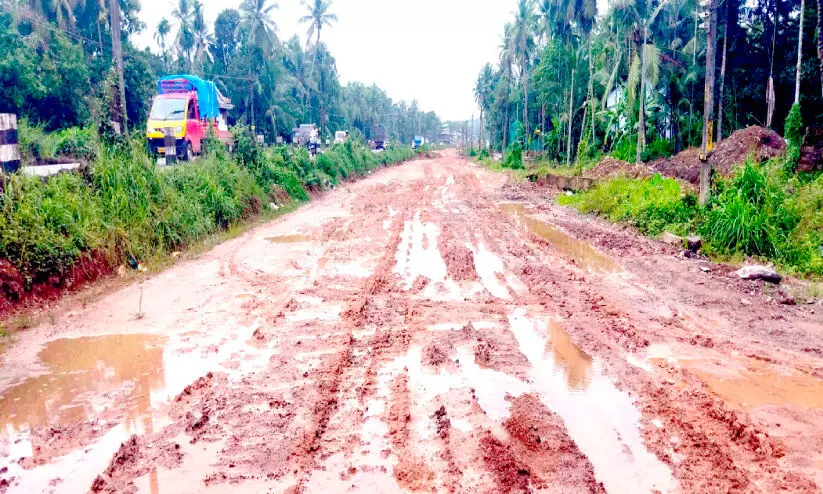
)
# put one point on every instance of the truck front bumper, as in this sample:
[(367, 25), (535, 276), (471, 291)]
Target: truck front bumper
[(157, 146)]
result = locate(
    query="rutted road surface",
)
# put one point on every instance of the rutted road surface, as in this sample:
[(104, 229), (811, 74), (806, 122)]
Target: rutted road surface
[(429, 328)]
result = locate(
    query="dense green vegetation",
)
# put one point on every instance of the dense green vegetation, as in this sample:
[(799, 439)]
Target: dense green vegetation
[(761, 212), (571, 82), (56, 69), (127, 208)]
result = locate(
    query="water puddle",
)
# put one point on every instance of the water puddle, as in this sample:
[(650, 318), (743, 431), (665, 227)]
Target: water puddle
[(289, 239), (78, 368), (579, 250), (601, 419), (93, 377), (744, 381)]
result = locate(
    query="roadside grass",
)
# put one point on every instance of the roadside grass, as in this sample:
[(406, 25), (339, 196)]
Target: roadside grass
[(651, 205), (761, 212), (135, 214)]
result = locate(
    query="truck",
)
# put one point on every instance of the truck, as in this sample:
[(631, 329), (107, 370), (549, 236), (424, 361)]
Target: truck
[(418, 141), (183, 111), (379, 136)]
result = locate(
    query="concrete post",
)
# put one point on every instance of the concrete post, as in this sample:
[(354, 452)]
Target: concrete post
[(9, 148)]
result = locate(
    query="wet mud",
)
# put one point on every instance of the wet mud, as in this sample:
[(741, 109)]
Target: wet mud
[(418, 331)]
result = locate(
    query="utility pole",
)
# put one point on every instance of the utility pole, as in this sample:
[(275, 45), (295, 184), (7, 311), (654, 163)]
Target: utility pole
[(117, 52)]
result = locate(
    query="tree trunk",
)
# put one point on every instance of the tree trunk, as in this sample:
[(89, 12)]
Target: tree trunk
[(819, 40), (525, 75), (582, 130), (708, 105), (571, 109), (506, 120), (542, 127), (723, 76), (799, 53), (591, 89), (641, 122), (117, 52)]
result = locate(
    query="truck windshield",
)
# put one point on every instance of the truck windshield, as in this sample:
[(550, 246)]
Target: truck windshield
[(168, 109)]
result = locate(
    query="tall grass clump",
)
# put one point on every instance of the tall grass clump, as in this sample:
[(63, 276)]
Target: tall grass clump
[(752, 216), (44, 226)]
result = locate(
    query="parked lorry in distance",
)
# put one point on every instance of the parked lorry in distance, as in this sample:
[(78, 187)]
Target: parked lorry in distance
[(182, 112), (341, 136), (379, 137), (418, 141)]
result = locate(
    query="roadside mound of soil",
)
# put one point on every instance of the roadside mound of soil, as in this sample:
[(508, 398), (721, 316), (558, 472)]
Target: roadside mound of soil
[(733, 150), (613, 167)]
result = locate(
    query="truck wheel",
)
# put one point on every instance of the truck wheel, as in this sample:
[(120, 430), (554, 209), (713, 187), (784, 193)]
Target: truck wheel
[(189, 152)]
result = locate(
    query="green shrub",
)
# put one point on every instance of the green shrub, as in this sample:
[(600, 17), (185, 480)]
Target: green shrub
[(34, 142), (77, 142), (794, 126), (514, 157)]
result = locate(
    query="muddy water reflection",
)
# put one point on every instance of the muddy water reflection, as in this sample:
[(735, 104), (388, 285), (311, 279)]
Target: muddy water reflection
[(579, 250), (600, 419), (78, 368), (574, 362)]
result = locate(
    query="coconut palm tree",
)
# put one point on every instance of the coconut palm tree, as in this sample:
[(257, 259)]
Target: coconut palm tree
[(257, 22), (506, 62), (483, 92), (645, 66), (317, 17), (202, 38), (523, 44), (184, 13), (63, 11), (163, 30)]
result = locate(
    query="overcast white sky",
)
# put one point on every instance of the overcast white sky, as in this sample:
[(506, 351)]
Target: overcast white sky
[(429, 50)]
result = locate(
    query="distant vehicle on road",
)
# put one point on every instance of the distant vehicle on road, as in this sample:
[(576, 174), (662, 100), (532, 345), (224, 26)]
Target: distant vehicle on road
[(182, 112), (379, 137), (418, 141), (341, 136), (307, 135)]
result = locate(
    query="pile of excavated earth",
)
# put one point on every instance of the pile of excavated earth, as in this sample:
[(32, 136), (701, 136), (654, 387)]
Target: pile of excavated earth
[(753, 142)]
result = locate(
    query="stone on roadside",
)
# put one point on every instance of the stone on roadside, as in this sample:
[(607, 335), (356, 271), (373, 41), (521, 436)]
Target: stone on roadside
[(671, 239), (756, 272), (784, 298), (694, 243)]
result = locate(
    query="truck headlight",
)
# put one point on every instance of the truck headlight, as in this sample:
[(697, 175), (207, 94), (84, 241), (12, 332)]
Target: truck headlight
[(178, 130), (150, 130)]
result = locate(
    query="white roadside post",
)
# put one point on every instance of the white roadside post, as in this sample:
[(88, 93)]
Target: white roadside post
[(9, 148)]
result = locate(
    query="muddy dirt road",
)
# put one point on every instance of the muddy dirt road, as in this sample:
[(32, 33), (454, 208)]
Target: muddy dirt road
[(430, 328)]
